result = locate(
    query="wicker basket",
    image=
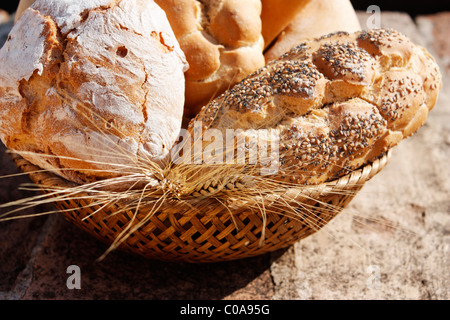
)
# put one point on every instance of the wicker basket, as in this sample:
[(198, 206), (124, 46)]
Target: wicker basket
[(203, 230)]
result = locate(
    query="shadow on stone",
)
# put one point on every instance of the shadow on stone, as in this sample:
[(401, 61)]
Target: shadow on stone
[(124, 276)]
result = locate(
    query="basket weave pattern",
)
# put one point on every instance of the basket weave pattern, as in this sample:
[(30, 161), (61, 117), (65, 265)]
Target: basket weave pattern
[(203, 230)]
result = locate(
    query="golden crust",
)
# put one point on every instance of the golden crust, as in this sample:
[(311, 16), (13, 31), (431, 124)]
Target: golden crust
[(276, 15), (222, 41), (359, 103), (314, 19)]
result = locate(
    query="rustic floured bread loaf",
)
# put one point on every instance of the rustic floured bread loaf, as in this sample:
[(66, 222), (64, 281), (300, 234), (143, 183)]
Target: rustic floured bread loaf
[(88, 88), (315, 19), (222, 41), (331, 105)]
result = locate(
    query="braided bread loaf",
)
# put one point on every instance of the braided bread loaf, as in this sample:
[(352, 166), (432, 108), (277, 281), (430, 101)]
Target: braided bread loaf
[(332, 105)]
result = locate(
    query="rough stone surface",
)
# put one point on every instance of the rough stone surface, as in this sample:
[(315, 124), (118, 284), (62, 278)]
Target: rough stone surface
[(392, 242), (17, 237), (436, 28), (122, 276)]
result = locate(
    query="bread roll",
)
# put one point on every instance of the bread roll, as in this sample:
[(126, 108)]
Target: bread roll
[(276, 15), (315, 19), (331, 105), (222, 41), (89, 88)]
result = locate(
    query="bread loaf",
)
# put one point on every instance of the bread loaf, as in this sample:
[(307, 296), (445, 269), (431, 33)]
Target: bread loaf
[(316, 18), (90, 88), (222, 41), (276, 15), (332, 105)]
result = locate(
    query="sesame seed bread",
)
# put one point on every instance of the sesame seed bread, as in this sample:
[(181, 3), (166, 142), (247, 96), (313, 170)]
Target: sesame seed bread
[(222, 41), (101, 81), (334, 103), (315, 19)]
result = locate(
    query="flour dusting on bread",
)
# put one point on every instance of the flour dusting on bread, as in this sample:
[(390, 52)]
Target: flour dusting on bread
[(90, 85)]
